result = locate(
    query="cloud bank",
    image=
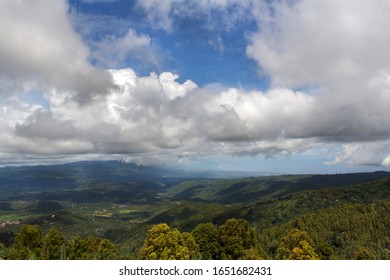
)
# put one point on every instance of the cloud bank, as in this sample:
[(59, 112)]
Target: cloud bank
[(327, 60)]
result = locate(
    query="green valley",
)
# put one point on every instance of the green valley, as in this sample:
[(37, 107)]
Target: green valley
[(117, 209)]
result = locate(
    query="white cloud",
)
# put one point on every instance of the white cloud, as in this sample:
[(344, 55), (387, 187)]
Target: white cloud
[(339, 47), (156, 118), (173, 89), (39, 44), (42, 124), (322, 42), (365, 153), (158, 12), (115, 52)]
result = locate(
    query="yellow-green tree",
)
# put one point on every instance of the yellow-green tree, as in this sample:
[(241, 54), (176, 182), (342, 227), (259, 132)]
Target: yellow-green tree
[(164, 243), (92, 248), (296, 245), (27, 244), (52, 243), (237, 240), (363, 253), (324, 251), (206, 236)]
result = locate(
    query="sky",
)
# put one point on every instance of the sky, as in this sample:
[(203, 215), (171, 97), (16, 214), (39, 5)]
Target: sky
[(283, 86)]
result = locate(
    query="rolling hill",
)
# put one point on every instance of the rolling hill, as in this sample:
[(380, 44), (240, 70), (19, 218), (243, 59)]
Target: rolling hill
[(119, 201)]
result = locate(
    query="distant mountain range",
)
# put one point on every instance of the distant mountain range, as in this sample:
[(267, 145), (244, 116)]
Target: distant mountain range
[(72, 175), (83, 172)]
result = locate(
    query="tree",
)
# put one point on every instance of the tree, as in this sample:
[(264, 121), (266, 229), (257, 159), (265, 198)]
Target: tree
[(107, 250), (296, 245), (27, 243), (237, 240), (3, 252), (164, 243), (324, 251), (190, 243), (304, 251), (92, 248), (52, 243), (206, 236), (363, 253)]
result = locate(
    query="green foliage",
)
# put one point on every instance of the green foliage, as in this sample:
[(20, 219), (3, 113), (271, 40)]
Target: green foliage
[(236, 237), (267, 187), (3, 252), (363, 253), (107, 250), (206, 236), (92, 248), (190, 243), (296, 246), (233, 240), (337, 232), (188, 214), (345, 216), (45, 206), (304, 251), (324, 251), (33, 256), (164, 243), (52, 244), (27, 243)]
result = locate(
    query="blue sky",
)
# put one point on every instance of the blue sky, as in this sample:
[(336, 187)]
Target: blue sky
[(276, 86), (199, 48)]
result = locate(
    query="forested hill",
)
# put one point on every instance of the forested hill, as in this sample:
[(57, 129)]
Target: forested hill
[(15, 179), (253, 189), (341, 216), (342, 222), (178, 183)]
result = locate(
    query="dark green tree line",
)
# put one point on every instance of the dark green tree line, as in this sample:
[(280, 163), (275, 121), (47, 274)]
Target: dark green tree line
[(29, 244)]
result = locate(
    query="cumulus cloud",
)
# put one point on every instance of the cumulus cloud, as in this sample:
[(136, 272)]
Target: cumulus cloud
[(40, 45), (323, 42), (156, 117), (334, 51), (327, 61), (366, 153), (337, 51), (173, 89), (42, 124)]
